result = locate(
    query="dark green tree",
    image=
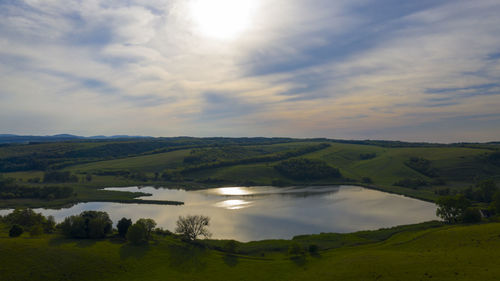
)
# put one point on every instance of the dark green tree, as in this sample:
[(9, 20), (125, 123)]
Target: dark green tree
[(123, 226), (89, 224), (295, 249), (15, 231), (36, 230), (452, 208), (149, 226), (487, 190), (472, 215), (137, 234)]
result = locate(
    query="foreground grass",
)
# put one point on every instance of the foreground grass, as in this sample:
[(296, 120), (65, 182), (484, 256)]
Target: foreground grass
[(442, 253)]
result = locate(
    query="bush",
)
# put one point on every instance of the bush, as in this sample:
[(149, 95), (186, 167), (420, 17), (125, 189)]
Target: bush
[(137, 234), (307, 169), (366, 156), (367, 180), (313, 249), (411, 183), (15, 231), (36, 230), (55, 176), (472, 215), (50, 225), (295, 249), (230, 247)]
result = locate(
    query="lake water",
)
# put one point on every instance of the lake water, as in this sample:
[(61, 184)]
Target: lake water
[(255, 213)]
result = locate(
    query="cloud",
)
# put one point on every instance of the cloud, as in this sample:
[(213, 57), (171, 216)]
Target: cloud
[(343, 69)]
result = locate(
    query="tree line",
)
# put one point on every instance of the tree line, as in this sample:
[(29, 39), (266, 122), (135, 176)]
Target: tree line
[(460, 207), (98, 225), (10, 190)]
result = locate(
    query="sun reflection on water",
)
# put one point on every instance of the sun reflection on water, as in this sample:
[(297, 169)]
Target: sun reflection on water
[(233, 204), (233, 191)]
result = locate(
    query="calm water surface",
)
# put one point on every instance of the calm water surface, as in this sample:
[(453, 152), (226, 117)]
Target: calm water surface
[(254, 213)]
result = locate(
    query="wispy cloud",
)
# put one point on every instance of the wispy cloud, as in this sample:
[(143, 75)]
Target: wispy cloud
[(343, 69)]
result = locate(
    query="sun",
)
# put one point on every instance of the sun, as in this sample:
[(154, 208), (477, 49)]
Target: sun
[(222, 19)]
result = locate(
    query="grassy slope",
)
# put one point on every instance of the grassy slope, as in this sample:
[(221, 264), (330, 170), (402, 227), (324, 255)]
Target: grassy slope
[(445, 253), (456, 165), (148, 163)]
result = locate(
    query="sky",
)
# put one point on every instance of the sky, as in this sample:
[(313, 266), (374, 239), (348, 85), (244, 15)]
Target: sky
[(424, 70)]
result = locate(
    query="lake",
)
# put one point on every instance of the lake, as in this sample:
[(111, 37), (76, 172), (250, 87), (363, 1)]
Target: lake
[(255, 213)]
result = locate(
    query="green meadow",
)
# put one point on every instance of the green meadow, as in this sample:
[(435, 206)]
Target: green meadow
[(459, 252)]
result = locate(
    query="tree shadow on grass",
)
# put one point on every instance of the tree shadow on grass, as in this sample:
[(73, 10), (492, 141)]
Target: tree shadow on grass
[(117, 240), (187, 257), (133, 251), (82, 243), (230, 260), (299, 260)]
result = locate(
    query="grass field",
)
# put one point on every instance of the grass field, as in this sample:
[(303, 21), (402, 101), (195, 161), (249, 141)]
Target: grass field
[(458, 167), (442, 253)]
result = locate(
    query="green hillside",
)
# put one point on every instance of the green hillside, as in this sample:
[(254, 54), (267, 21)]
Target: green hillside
[(443, 253), (419, 170)]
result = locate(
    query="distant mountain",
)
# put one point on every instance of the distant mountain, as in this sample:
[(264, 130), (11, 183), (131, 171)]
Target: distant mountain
[(10, 138)]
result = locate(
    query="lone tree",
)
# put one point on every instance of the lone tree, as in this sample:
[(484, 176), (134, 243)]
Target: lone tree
[(193, 226), (452, 208)]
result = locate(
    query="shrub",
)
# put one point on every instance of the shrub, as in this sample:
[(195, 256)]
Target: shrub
[(411, 183), (295, 249), (367, 180), (307, 169), (230, 247), (36, 230), (15, 231), (313, 249), (137, 234), (472, 215)]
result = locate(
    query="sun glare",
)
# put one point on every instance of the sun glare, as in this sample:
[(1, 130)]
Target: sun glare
[(222, 19), (233, 191)]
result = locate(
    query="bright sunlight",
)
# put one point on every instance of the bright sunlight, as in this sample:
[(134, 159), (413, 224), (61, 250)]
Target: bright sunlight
[(222, 19)]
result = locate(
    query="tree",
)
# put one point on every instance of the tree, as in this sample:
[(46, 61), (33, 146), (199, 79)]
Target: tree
[(295, 249), (495, 204), (472, 215), (136, 234), (123, 226), (190, 227), (149, 226), (15, 231), (26, 218), (487, 190), (89, 224), (230, 247), (452, 208), (36, 230), (49, 225)]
